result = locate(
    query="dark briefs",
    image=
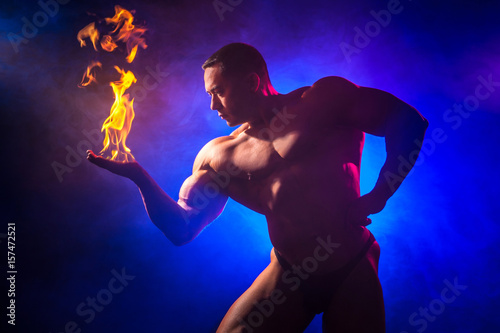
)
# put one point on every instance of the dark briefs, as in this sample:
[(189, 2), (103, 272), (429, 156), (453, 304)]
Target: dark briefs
[(317, 298)]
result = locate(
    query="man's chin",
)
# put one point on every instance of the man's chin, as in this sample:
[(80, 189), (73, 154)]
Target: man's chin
[(232, 123)]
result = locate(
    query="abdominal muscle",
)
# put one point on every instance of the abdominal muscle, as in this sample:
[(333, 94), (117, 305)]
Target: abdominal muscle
[(303, 193), (307, 209)]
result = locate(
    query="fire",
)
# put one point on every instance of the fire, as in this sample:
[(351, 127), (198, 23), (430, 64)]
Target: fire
[(88, 76), (108, 44), (118, 124), (122, 31), (127, 32), (89, 31)]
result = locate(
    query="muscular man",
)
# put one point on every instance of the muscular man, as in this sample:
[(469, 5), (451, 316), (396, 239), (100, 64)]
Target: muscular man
[(295, 158)]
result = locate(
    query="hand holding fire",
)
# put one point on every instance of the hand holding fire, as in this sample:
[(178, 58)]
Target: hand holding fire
[(125, 169), (119, 32)]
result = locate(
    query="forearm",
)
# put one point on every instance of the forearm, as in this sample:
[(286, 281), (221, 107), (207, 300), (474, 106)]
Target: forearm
[(404, 133), (163, 211)]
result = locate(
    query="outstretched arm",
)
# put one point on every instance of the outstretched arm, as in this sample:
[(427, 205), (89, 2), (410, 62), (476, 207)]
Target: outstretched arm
[(180, 221)]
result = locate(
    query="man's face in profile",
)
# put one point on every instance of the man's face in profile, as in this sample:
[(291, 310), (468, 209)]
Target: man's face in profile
[(229, 96)]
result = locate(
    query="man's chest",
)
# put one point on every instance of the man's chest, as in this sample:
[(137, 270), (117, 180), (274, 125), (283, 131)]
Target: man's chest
[(265, 171), (258, 153)]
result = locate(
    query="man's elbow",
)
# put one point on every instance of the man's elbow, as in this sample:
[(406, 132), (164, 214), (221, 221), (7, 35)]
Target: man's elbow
[(417, 121), (424, 123), (182, 239), (421, 126), (180, 242), (181, 234)]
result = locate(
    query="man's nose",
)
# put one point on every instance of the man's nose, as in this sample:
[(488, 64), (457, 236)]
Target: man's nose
[(215, 103)]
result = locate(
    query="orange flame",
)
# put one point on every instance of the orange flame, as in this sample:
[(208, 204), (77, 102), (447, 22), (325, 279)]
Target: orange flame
[(88, 76), (108, 44), (123, 30), (89, 31), (127, 32), (118, 124)]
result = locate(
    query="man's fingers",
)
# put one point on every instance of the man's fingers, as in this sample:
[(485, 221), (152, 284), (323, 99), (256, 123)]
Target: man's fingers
[(90, 155), (94, 158), (366, 222), (124, 169), (97, 160), (362, 221), (356, 216)]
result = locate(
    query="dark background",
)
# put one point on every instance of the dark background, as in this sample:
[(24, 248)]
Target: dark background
[(75, 229)]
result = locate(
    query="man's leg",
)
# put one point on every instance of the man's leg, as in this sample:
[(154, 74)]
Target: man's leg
[(267, 306), (358, 305)]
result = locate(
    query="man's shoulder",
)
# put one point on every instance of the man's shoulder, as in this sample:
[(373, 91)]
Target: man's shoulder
[(331, 84), (328, 94), (210, 152)]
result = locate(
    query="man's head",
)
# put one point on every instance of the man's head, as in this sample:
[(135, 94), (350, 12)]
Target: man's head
[(237, 60), (236, 77)]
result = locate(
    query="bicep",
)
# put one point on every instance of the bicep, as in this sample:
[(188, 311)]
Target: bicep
[(202, 199), (380, 113), (372, 110)]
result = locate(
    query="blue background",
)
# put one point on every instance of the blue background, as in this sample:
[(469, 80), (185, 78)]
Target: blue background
[(72, 231)]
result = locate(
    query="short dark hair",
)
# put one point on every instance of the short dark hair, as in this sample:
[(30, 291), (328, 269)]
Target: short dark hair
[(238, 59)]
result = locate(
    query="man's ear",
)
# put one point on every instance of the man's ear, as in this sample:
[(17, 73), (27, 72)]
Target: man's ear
[(253, 81)]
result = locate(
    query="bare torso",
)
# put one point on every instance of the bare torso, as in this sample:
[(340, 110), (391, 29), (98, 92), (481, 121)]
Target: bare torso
[(301, 173), (298, 166)]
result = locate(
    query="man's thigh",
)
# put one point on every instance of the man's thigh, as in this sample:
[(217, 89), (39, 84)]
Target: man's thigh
[(358, 305), (269, 305)]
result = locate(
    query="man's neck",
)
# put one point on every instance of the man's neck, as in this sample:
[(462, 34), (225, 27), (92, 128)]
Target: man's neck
[(270, 102), (268, 90)]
